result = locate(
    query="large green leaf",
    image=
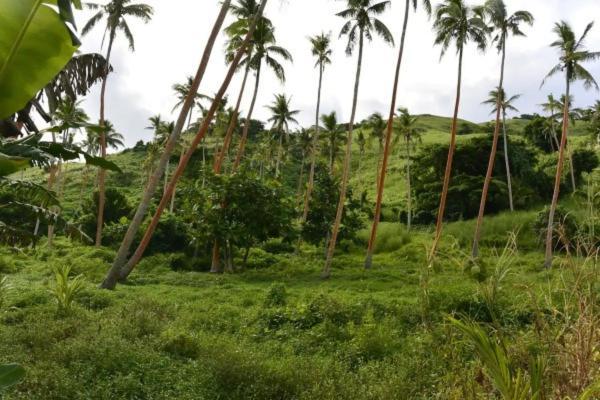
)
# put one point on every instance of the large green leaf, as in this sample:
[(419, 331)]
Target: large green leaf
[(10, 165), (10, 375), (35, 44)]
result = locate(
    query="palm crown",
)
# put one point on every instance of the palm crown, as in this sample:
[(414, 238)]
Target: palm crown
[(362, 21), (573, 54), (458, 23), (321, 49), (116, 13), (499, 96), (282, 115), (503, 23)]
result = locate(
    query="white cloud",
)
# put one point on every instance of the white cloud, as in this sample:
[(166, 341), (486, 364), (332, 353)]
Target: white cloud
[(169, 48)]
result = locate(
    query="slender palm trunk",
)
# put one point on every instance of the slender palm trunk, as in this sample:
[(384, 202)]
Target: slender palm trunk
[(446, 185), (346, 173), (166, 180), (279, 155), (387, 146), (492, 160), (301, 179), (197, 140), (218, 165), (408, 187), (313, 156), (572, 169), (101, 171), (507, 163), (51, 181), (559, 171), (119, 262), (244, 139)]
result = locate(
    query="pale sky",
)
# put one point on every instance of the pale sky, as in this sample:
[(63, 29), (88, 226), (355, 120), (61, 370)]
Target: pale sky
[(169, 48)]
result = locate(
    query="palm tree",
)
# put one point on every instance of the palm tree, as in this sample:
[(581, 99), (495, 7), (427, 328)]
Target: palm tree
[(118, 268), (553, 107), (333, 136), (388, 134), (244, 11), (362, 23), (321, 50), (406, 130), (116, 13), (207, 120), (504, 25), (572, 54), (182, 91), (458, 23), (264, 50), (361, 141), (505, 105), (378, 128), (281, 117)]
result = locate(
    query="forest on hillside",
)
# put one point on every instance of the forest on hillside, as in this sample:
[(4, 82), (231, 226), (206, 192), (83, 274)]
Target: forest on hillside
[(394, 255)]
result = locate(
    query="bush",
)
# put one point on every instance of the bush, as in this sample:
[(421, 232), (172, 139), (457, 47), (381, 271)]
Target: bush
[(564, 228), (258, 259), (276, 295)]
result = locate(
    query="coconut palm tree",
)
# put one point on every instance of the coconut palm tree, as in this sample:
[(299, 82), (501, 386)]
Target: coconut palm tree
[(264, 51), (506, 104), (281, 118), (389, 131), (553, 107), (457, 23), (116, 13), (182, 91), (378, 133), (504, 25), (572, 54), (409, 133), (333, 137), (321, 50), (362, 23), (244, 11), (117, 269), (203, 129)]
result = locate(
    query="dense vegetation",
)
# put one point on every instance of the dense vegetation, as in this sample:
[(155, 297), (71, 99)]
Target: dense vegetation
[(281, 217)]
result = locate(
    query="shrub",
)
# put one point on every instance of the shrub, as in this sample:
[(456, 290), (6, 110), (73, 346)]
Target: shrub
[(259, 258), (276, 295), (564, 228), (65, 290)]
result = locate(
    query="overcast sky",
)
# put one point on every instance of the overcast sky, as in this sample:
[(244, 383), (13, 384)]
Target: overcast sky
[(169, 48)]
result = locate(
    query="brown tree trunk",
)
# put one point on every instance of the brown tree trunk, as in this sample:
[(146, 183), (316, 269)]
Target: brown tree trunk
[(218, 165), (301, 179), (113, 275), (101, 171), (244, 139), (387, 146), (188, 155), (313, 156), (559, 171), (346, 172), (492, 159), (507, 163), (446, 185)]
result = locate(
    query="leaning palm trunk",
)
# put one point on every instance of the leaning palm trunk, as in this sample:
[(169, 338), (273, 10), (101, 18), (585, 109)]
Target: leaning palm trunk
[(218, 165), (559, 171), (101, 171), (446, 184), (492, 160), (244, 139), (507, 163), (408, 187), (119, 262), (193, 146), (346, 172), (387, 146), (313, 156)]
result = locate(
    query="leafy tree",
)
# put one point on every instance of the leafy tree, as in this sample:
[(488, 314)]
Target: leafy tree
[(116, 13), (553, 107), (573, 54), (362, 22), (540, 131), (333, 137), (455, 22), (317, 228)]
